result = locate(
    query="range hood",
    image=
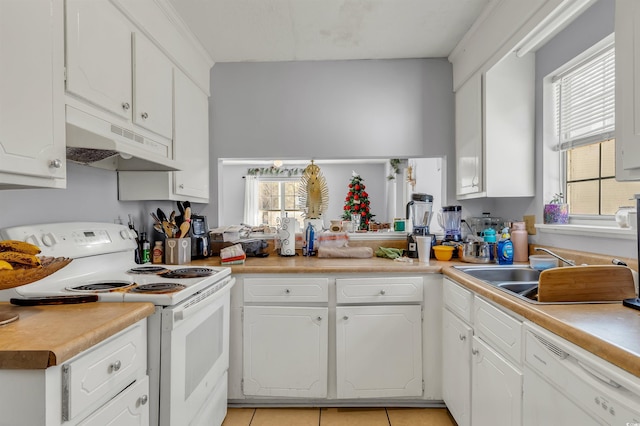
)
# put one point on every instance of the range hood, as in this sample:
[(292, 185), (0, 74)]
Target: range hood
[(95, 142)]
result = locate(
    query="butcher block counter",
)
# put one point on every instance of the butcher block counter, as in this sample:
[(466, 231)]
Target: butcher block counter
[(44, 336), (610, 331)]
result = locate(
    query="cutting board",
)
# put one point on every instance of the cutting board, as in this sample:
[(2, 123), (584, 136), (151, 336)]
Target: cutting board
[(590, 283)]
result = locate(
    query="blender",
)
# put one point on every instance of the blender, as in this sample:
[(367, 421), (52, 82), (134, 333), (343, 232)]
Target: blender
[(451, 223), (419, 212)]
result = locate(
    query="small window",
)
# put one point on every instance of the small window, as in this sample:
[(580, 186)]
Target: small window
[(278, 198), (585, 124)]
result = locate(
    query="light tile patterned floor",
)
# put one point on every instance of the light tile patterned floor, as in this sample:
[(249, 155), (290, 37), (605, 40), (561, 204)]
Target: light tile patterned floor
[(338, 417)]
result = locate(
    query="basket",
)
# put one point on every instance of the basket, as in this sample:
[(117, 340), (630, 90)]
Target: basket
[(10, 278)]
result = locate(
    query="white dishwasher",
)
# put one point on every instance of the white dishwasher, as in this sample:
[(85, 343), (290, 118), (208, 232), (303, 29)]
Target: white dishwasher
[(564, 384)]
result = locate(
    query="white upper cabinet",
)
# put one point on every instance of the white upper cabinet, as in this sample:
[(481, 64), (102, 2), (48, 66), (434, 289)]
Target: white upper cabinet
[(32, 134), (113, 67), (152, 88), (627, 30), (495, 124), (99, 55)]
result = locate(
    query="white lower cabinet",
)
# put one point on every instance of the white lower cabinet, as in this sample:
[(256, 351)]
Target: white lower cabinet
[(378, 351), (456, 365), (482, 360), (285, 351), (128, 408), (496, 388)]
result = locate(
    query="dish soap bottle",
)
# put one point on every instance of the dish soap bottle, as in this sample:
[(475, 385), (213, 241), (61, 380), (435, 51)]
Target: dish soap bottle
[(505, 248)]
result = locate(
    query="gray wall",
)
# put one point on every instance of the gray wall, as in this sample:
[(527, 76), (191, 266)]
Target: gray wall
[(330, 110)]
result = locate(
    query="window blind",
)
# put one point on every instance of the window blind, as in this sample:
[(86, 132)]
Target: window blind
[(585, 101)]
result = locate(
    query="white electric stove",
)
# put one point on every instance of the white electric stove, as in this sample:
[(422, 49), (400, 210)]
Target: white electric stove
[(188, 336)]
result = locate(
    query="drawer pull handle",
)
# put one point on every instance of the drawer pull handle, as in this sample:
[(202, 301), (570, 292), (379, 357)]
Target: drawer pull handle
[(125, 106), (287, 291), (462, 337), (382, 292), (143, 399), (345, 317), (115, 366), (144, 115), (474, 351)]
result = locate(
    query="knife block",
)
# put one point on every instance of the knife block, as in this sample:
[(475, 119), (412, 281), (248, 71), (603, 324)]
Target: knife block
[(177, 251)]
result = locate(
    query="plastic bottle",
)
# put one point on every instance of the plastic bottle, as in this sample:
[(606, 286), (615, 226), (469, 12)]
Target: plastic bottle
[(146, 248), (309, 237), (505, 248), (520, 240), (158, 253)]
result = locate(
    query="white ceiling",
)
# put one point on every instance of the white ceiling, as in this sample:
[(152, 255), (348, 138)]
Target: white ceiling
[(301, 30)]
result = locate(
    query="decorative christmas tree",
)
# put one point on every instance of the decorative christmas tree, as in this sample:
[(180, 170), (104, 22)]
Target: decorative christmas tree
[(357, 202)]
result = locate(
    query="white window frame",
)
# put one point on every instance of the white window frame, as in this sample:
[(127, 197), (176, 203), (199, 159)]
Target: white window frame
[(554, 176), (282, 180)]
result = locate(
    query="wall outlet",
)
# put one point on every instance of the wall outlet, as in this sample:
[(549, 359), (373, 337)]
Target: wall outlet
[(529, 222)]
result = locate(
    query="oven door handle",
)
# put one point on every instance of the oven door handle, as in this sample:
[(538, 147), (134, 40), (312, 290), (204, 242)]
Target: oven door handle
[(202, 299)]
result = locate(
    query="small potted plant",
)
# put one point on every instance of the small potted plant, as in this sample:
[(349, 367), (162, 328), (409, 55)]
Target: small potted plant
[(556, 212)]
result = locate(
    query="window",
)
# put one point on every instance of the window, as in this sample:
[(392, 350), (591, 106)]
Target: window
[(585, 124), (277, 198)]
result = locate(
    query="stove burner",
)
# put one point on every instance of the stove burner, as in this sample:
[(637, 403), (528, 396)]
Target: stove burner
[(157, 288), (148, 270), (102, 287), (188, 273)]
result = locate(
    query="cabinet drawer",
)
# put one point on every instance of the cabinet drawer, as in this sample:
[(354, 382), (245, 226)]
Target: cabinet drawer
[(97, 375), (458, 300), (500, 330), (286, 290), (130, 407), (379, 290)]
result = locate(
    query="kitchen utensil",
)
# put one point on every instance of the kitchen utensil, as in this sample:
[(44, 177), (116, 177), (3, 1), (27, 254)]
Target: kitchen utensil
[(443, 252), (478, 252), (161, 216), (586, 283), (184, 226), (180, 207), (172, 217), (156, 218), (168, 229)]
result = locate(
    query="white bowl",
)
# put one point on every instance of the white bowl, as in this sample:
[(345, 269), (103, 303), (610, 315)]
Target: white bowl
[(541, 262)]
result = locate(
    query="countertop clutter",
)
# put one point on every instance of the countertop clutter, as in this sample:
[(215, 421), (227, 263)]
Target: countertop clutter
[(44, 336)]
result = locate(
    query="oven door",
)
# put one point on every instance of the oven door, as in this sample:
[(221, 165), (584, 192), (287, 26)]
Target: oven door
[(194, 354)]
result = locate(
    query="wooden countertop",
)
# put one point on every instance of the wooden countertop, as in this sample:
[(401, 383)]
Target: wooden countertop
[(611, 331), (44, 336)]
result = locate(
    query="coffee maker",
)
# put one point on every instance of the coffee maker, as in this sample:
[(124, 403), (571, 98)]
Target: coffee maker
[(200, 239), (419, 213)]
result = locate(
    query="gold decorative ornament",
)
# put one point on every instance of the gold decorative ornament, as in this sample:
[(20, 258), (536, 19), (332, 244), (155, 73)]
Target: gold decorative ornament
[(313, 192)]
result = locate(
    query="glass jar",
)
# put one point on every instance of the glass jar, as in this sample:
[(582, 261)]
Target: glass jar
[(622, 216)]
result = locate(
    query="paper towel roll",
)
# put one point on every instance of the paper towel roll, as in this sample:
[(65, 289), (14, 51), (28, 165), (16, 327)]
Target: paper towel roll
[(287, 235)]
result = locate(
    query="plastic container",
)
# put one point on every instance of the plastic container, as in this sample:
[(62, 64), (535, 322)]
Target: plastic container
[(443, 252), (520, 240), (540, 262), (505, 248)]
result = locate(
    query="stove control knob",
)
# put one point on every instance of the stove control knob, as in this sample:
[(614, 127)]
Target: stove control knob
[(32, 239), (125, 234), (49, 239)]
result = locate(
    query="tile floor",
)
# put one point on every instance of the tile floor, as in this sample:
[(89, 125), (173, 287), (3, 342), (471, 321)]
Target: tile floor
[(338, 417)]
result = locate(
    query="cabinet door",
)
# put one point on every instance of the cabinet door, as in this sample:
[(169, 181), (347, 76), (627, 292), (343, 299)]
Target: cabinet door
[(191, 138), (496, 388), (627, 29), (456, 367), (99, 55), (285, 351), (153, 88), (469, 154), (378, 351), (32, 141), (130, 407)]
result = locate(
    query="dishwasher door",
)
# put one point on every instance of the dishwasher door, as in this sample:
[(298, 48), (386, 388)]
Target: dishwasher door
[(563, 384)]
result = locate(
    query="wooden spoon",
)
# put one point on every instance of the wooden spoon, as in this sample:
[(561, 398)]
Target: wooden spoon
[(184, 226)]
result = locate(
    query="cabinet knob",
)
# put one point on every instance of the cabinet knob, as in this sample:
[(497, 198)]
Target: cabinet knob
[(319, 318), (56, 164), (144, 115), (126, 106), (287, 291), (181, 186), (382, 292), (345, 317), (474, 351), (143, 399), (462, 337), (115, 366)]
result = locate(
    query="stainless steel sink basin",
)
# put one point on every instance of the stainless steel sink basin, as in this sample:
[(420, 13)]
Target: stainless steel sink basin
[(501, 274)]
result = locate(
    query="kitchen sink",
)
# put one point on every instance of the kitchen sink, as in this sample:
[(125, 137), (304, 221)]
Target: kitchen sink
[(519, 281)]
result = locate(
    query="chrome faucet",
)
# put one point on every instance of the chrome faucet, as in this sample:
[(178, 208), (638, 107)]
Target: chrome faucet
[(568, 262)]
